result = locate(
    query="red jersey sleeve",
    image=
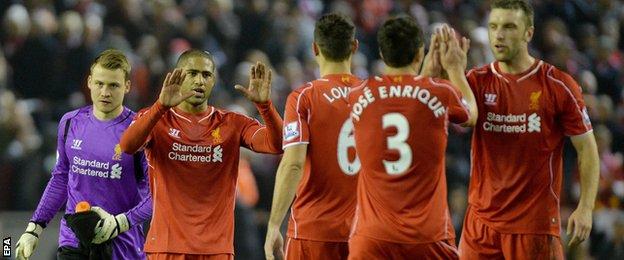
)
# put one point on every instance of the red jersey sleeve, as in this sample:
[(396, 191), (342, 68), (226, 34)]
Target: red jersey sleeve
[(139, 133), (471, 77), (458, 111), (263, 138), (296, 128), (571, 107)]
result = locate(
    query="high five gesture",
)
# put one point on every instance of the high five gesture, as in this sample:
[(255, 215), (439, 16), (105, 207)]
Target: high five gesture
[(259, 89), (171, 94)]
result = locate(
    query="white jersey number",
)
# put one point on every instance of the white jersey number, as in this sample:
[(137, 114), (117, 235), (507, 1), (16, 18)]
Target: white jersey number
[(397, 142), (346, 140)]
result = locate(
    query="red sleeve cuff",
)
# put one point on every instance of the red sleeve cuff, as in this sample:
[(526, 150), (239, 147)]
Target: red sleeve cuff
[(264, 106), (160, 107)]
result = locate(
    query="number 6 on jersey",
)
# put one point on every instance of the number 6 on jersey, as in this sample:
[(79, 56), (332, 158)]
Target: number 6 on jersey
[(346, 140)]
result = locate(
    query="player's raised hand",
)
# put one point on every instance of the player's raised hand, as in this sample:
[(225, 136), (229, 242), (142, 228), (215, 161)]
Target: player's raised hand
[(431, 65), (579, 226), (453, 53), (259, 90), (171, 93), (274, 244)]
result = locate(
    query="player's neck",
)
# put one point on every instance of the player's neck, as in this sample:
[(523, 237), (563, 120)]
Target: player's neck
[(193, 109), (407, 70), (328, 68), (519, 64), (103, 116)]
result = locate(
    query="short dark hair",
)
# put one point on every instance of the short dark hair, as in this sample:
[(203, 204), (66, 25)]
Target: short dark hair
[(516, 5), (113, 59), (334, 34), (194, 53), (399, 40)]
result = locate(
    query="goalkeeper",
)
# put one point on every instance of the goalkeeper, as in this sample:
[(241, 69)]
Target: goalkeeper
[(91, 167)]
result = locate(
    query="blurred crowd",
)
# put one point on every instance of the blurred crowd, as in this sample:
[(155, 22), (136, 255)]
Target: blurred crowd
[(46, 47)]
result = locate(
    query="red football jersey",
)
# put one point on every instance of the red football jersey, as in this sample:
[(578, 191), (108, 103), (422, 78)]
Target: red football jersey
[(193, 167), (316, 114), (517, 145), (401, 133)]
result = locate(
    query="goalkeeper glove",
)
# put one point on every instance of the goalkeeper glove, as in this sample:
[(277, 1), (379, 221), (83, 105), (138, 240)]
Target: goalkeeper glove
[(109, 226), (28, 241)]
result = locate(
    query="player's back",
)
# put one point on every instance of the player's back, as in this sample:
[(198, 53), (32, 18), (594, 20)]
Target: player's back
[(401, 134), (317, 114)]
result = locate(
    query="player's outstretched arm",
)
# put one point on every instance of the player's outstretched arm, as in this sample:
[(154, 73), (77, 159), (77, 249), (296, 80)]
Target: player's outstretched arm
[(287, 180), (453, 59), (170, 95), (267, 139), (580, 222), (53, 198)]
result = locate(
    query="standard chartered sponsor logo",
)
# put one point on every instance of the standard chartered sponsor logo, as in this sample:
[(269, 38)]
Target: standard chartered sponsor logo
[(535, 123), (96, 168), (512, 123), (218, 154), (196, 153), (116, 171)]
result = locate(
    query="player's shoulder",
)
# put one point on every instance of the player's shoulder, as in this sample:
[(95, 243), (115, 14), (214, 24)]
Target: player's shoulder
[(436, 82), (361, 83), (127, 115), (559, 79), (229, 115), (303, 88), (441, 85), (76, 114), (142, 111), (483, 71), (553, 73)]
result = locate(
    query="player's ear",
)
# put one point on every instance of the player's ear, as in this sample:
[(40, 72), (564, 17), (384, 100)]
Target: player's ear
[(315, 49), (419, 57), (128, 85), (89, 83), (381, 55), (528, 34), (354, 46)]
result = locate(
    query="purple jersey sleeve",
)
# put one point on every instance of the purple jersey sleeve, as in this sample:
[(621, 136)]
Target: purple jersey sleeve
[(142, 211), (55, 193)]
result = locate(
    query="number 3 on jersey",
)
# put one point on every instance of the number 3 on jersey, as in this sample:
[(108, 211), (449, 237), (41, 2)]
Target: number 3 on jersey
[(396, 142)]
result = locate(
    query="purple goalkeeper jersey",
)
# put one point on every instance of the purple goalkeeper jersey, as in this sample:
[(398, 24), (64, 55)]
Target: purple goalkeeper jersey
[(90, 166)]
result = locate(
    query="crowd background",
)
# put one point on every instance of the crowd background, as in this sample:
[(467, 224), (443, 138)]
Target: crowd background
[(46, 47)]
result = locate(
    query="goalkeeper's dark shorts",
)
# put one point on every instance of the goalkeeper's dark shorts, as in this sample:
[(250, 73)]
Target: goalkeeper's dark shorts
[(71, 253)]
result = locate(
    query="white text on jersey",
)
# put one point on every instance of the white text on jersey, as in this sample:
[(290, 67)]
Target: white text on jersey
[(96, 168), (336, 93), (513, 124), (196, 153), (398, 91)]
